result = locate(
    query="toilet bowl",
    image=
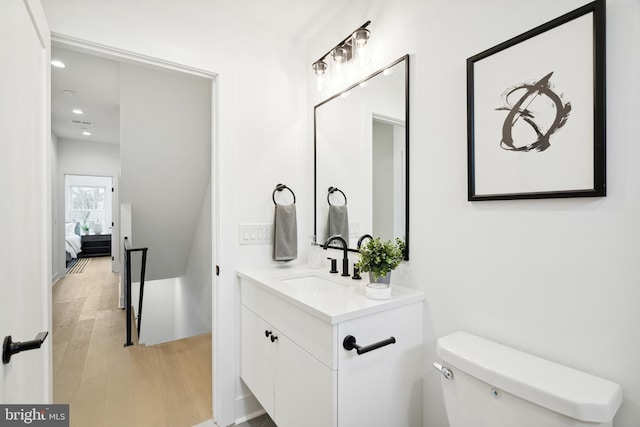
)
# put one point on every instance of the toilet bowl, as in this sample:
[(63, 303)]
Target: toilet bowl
[(488, 384)]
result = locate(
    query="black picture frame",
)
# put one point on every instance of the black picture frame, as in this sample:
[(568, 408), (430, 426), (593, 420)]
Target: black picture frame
[(536, 119)]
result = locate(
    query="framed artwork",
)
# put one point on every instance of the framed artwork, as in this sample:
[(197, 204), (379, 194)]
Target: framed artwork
[(536, 112)]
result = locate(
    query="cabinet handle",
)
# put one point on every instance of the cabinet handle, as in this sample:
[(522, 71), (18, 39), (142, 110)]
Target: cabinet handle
[(274, 338), (267, 333), (349, 344)]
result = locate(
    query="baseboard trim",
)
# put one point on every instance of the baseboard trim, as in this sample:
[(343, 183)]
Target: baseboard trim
[(56, 277), (247, 408), (208, 423)]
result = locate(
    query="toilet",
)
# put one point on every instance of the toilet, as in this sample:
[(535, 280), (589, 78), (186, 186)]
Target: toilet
[(488, 384)]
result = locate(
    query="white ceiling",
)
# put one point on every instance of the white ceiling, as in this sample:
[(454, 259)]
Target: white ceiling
[(95, 80), (96, 87)]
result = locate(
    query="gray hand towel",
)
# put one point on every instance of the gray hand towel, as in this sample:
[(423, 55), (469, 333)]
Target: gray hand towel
[(339, 222), (285, 233)]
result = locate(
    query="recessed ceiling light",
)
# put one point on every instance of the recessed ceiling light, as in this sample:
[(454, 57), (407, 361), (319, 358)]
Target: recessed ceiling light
[(57, 63), (76, 111), (86, 133)]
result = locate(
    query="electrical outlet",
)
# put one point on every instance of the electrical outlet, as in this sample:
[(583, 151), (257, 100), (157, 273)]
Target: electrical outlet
[(255, 234)]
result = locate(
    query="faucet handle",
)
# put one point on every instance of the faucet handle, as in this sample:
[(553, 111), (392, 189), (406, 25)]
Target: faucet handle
[(345, 267), (334, 265)]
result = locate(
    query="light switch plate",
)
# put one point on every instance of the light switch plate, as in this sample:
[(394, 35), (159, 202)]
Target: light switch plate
[(255, 234)]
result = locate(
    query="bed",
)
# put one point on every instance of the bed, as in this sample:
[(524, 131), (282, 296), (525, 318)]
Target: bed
[(73, 244)]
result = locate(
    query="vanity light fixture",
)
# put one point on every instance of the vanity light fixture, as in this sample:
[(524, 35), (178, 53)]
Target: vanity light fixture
[(320, 67), (342, 54), (360, 37)]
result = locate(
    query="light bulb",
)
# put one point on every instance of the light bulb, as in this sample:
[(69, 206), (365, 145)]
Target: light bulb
[(360, 38)]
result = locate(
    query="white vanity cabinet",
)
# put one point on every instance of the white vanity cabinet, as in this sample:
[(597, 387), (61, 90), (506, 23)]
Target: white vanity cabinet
[(292, 355), (290, 384)]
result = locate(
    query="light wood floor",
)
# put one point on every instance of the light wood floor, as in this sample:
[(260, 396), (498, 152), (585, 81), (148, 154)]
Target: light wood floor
[(107, 384)]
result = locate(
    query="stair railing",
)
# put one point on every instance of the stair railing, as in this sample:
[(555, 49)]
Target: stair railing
[(127, 274)]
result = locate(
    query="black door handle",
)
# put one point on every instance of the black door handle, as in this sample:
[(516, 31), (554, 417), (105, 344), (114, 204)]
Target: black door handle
[(349, 344), (9, 348)]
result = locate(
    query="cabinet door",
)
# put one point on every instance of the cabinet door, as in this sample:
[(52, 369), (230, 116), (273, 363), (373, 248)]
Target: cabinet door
[(257, 358), (305, 388), (382, 387)]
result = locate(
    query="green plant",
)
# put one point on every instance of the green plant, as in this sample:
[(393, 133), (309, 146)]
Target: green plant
[(84, 226), (379, 257)]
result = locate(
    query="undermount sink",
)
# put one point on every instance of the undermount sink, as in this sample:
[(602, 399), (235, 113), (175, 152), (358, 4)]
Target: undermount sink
[(312, 283)]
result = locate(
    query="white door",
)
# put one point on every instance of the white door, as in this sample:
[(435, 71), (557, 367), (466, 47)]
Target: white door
[(25, 211)]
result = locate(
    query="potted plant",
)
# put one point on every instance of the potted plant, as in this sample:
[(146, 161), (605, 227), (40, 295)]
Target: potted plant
[(85, 228), (379, 258)]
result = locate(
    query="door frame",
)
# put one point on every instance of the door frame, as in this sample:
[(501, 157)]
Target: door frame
[(84, 46)]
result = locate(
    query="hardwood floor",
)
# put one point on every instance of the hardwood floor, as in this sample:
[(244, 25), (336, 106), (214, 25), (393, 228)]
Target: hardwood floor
[(107, 384)]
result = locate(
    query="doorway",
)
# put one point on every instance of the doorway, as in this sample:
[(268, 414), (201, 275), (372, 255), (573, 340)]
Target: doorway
[(211, 187), (88, 214)]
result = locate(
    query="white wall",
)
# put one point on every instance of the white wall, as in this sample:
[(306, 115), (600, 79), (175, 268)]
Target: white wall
[(383, 183), (55, 219), (198, 276), (180, 307), (78, 158), (166, 314), (165, 151), (556, 278)]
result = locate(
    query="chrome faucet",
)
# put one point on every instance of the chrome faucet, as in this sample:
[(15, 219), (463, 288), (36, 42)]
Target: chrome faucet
[(345, 257)]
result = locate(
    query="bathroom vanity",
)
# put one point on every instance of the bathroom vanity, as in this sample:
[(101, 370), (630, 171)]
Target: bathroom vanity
[(293, 326)]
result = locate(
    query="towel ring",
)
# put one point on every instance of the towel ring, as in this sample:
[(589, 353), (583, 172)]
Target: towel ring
[(333, 190), (281, 187)]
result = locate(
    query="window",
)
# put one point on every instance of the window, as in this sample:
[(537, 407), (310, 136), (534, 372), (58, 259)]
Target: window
[(88, 201), (87, 204)]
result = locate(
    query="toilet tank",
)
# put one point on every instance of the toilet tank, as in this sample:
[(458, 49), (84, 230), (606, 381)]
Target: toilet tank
[(498, 386)]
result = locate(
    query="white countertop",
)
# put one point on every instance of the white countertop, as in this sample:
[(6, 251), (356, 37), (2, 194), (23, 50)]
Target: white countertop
[(342, 299)]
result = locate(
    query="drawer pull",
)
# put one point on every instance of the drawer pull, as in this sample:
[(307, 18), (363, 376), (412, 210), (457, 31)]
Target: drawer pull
[(349, 344)]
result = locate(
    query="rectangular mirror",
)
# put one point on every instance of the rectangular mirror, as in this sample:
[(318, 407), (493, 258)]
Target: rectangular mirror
[(362, 159)]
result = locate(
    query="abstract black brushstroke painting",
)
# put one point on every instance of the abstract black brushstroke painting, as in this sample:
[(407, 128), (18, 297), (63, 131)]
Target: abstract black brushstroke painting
[(536, 112), (538, 120)]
